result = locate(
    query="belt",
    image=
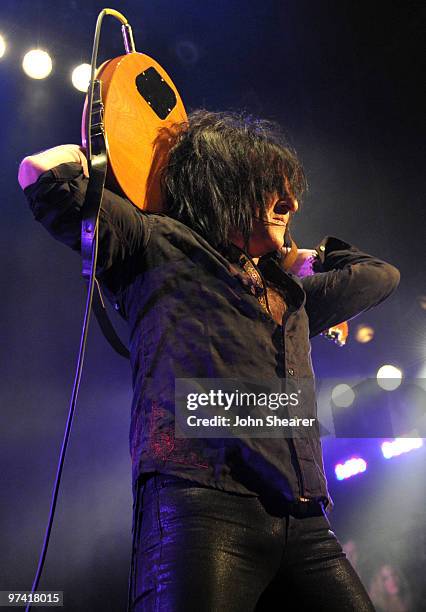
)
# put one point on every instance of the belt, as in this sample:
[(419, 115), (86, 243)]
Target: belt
[(304, 507)]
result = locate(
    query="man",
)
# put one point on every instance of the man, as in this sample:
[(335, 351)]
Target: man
[(223, 523)]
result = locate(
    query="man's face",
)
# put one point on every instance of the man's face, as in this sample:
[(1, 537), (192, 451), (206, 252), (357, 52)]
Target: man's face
[(390, 580), (351, 550), (268, 233)]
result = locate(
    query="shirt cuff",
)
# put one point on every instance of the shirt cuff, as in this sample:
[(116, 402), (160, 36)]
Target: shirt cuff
[(328, 245)]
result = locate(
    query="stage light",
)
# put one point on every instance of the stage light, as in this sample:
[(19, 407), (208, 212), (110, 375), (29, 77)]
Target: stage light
[(2, 46), (342, 396), (364, 334), (37, 64), (187, 52), (81, 77), (421, 300), (422, 375), (389, 377), (393, 448), (351, 467)]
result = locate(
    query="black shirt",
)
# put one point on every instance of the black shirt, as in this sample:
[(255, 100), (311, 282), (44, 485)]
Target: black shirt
[(191, 314)]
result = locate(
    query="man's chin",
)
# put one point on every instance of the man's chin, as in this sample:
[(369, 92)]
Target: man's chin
[(268, 245)]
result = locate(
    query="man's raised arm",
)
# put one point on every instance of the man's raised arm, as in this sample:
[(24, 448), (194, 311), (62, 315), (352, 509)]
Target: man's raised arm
[(347, 283), (34, 166), (55, 183)]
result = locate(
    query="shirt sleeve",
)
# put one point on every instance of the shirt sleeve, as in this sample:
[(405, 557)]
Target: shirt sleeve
[(56, 200), (347, 282)]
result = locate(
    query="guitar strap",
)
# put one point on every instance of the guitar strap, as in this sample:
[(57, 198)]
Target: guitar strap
[(98, 162), (105, 324)]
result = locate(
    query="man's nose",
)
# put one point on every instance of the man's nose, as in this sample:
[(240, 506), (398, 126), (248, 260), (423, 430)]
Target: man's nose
[(285, 206), (295, 205)]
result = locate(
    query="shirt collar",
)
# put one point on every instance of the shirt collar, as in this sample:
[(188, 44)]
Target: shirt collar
[(269, 268)]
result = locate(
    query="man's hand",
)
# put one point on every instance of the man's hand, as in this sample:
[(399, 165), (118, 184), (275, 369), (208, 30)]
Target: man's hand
[(303, 263), (33, 166)]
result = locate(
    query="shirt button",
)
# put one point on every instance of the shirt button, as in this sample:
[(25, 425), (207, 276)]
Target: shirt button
[(322, 248), (290, 371)]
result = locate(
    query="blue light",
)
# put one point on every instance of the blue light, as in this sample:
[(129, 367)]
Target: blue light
[(351, 467)]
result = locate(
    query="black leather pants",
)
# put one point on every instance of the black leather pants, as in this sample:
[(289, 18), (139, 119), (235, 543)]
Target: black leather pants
[(203, 550)]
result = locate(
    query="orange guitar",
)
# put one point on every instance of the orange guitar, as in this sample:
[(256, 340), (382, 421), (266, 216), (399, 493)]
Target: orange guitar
[(142, 110), (338, 333)]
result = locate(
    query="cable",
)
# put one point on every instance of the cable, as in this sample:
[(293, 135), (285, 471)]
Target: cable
[(74, 395), (89, 299)]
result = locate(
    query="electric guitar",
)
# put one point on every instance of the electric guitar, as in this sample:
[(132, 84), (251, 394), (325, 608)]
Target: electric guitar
[(142, 112)]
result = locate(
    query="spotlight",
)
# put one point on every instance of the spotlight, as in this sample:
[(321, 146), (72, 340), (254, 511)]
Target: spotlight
[(396, 447), (364, 334), (2, 46), (37, 64), (389, 377), (421, 300), (81, 77), (342, 396), (351, 467), (187, 52)]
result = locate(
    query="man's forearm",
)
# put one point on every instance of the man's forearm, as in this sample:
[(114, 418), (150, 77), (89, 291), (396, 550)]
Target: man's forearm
[(34, 165), (347, 283)]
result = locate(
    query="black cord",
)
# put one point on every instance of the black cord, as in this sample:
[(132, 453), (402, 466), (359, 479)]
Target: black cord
[(74, 395), (85, 328)]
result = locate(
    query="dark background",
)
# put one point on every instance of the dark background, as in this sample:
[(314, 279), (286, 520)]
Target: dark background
[(345, 79)]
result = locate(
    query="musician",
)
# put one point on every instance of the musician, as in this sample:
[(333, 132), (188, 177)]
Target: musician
[(231, 523)]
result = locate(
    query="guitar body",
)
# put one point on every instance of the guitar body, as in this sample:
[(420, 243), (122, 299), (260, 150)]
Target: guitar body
[(338, 333), (142, 113)]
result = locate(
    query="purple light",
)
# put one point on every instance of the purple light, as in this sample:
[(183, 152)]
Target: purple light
[(351, 467), (393, 448)]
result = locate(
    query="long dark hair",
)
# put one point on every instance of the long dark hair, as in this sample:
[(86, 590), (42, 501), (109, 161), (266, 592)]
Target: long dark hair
[(222, 168)]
